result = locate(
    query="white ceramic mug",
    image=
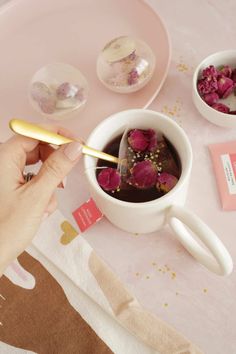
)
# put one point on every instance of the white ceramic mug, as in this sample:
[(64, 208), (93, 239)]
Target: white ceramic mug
[(153, 215)]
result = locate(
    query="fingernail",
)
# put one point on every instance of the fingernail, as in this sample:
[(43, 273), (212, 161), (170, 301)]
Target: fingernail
[(73, 151)]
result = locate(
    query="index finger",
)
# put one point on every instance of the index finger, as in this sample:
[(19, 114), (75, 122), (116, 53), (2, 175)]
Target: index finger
[(19, 146)]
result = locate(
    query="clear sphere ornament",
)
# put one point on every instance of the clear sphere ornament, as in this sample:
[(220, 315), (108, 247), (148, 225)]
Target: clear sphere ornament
[(125, 64), (57, 90)]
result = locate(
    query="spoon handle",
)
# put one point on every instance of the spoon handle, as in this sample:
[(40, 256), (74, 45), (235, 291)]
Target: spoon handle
[(34, 131)]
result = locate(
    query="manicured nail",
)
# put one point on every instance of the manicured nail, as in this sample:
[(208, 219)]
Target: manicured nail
[(73, 151)]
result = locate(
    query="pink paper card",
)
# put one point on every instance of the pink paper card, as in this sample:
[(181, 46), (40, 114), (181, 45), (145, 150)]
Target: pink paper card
[(224, 162), (87, 215)]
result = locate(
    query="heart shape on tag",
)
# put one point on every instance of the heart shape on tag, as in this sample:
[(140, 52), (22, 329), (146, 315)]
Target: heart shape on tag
[(69, 233)]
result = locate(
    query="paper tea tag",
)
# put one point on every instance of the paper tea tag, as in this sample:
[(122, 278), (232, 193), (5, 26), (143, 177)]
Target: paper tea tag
[(229, 165), (87, 215)]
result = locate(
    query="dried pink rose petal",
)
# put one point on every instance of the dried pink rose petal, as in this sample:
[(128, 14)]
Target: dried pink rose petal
[(39, 90), (141, 140), (207, 85), (233, 76), (137, 140), (165, 182), (210, 71), (221, 107), (47, 104), (109, 179), (225, 86), (143, 175), (211, 98), (133, 77), (66, 90), (226, 70), (232, 112), (151, 136)]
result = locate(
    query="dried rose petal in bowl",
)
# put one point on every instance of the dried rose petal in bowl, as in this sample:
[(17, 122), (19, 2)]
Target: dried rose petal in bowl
[(225, 70), (218, 105), (211, 98), (221, 107), (216, 84)]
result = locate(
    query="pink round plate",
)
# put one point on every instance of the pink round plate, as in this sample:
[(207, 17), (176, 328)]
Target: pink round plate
[(35, 33)]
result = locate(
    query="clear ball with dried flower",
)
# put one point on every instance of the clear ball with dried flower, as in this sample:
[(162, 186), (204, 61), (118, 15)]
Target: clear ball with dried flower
[(57, 90), (125, 64)]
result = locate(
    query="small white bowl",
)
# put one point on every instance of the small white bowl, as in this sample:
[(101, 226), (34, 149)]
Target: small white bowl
[(227, 57)]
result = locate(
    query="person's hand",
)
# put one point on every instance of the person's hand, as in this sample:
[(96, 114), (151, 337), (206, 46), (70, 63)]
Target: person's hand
[(42, 320), (24, 205)]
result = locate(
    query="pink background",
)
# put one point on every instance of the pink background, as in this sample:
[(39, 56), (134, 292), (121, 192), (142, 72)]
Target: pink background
[(165, 279)]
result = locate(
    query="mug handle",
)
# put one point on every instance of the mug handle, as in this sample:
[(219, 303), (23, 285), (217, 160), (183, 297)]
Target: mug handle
[(217, 259)]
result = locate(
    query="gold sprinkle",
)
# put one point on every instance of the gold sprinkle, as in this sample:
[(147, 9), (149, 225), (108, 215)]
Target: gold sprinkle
[(160, 269), (137, 274), (166, 305), (147, 277), (176, 293), (173, 275), (153, 263), (182, 67), (205, 290)]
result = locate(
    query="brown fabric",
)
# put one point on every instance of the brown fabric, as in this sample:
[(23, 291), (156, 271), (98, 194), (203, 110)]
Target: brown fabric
[(151, 330), (42, 320)]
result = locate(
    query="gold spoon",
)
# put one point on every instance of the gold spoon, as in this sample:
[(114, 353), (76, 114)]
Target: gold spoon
[(34, 131)]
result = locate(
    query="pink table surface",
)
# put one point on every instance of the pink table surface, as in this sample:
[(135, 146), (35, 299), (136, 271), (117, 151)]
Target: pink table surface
[(159, 272)]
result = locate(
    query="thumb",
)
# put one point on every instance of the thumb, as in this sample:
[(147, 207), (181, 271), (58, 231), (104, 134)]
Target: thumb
[(56, 167)]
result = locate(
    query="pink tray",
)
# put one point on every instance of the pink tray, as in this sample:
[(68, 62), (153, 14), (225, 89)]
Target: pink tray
[(34, 33)]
